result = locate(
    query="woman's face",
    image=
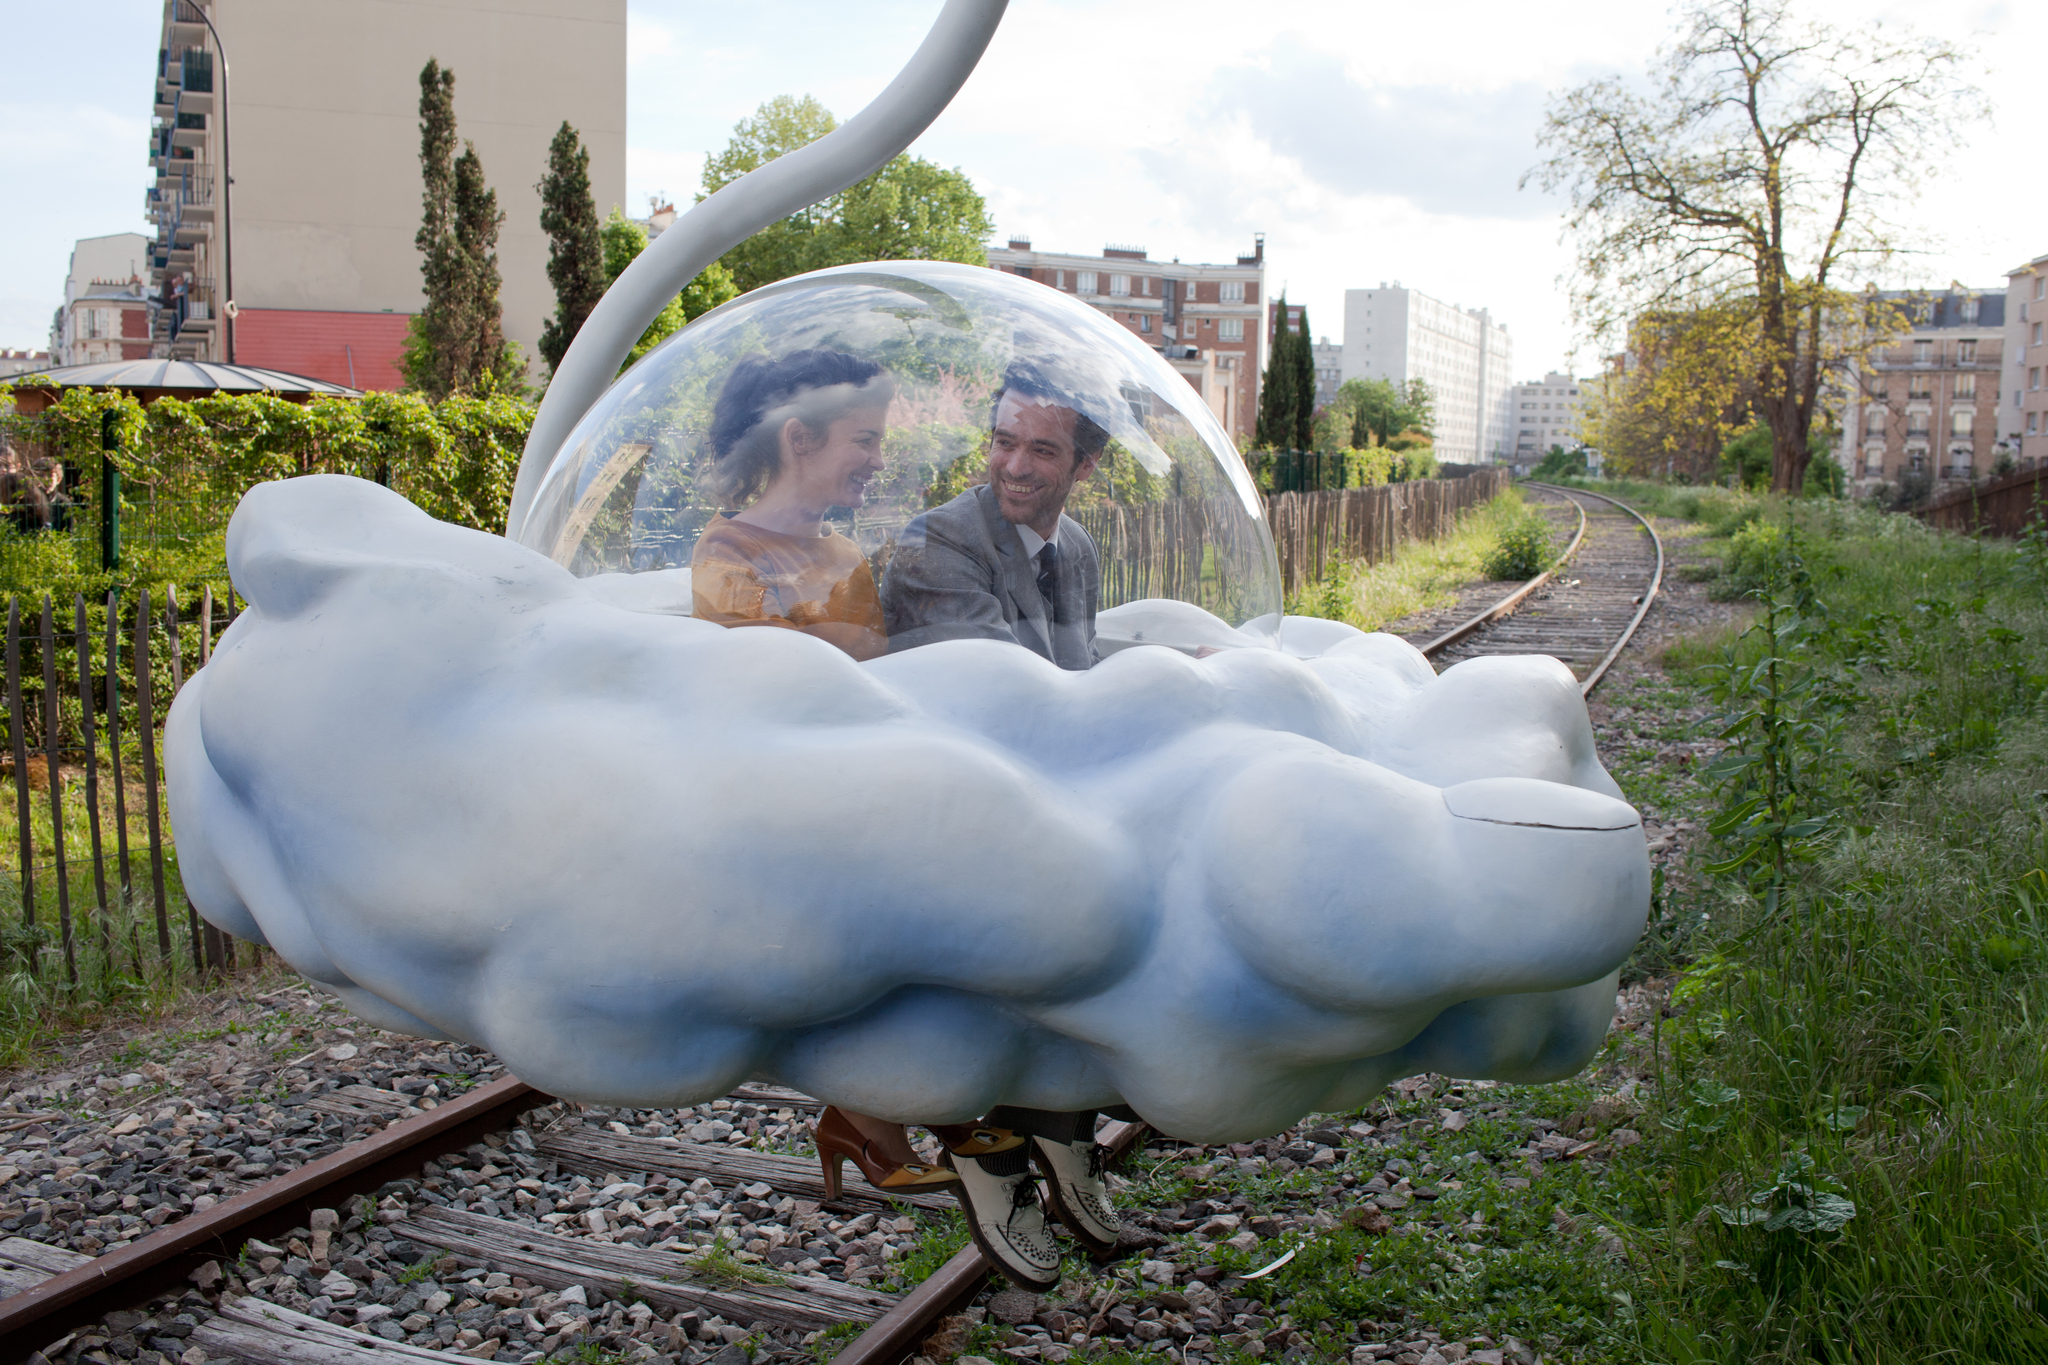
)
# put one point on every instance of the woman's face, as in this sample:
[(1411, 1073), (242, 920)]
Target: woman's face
[(834, 469)]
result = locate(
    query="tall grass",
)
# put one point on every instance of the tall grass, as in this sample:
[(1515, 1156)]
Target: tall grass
[(1422, 575), (1866, 1040)]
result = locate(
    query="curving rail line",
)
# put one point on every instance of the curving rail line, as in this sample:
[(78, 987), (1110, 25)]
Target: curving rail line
[(1612, 566)]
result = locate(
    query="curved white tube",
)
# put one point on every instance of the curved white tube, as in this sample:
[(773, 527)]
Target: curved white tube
[(852, 152)]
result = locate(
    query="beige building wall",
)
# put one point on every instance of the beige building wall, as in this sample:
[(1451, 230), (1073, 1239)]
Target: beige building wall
[(325, 128)]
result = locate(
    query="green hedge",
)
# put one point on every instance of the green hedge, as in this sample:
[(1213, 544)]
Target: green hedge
[(185, 465)]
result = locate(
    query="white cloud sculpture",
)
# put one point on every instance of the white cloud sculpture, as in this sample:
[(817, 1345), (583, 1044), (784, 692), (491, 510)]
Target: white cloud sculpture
[(644, 858)]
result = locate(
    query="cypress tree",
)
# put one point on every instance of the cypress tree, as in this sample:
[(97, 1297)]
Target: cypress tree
[(429, 337), (568, 214), (1303, 358), (1277, 400), (457, 340), (483, 358)]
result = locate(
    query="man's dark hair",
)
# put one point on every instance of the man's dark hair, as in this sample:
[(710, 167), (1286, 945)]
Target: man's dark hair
[(1090, 436)]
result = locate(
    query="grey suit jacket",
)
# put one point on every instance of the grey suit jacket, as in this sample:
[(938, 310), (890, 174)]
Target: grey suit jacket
[(960, 573)]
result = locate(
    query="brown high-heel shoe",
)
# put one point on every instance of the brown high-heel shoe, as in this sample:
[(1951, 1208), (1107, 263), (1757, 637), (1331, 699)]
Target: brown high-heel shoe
[(838, 1140), (975, 1139)]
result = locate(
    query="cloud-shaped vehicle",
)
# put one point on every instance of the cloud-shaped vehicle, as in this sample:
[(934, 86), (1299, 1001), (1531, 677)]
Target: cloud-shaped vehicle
[(1246, 866)]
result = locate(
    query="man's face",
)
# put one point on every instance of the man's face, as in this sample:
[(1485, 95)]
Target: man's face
[(1031, 462)]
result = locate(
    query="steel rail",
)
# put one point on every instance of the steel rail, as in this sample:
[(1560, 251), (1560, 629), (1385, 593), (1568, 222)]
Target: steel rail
[(895, 1336), (35, 1317), (1515, 598), (163, 1260), (1649, 594)]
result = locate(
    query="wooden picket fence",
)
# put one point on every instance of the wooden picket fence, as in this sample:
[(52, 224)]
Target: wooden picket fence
[(87, 690), (1313, 533), (2003, 506)]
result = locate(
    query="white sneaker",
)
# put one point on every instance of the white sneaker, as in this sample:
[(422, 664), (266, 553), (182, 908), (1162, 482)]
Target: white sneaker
[(1008, 1224), (1078, 1194)]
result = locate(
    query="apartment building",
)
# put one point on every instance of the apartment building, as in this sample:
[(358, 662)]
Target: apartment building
[(13, 362), (1546, 413), (106, 310), (322, 121), (1925, 405), (1204, 318), (1464, 356), (1329, 357), (2023, 416)]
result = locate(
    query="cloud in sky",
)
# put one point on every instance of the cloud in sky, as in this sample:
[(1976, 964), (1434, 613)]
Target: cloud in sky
[(643, 857), (1444, 149)]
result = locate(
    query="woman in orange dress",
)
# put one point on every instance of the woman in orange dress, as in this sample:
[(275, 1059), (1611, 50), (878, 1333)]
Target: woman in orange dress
[(790, 440)]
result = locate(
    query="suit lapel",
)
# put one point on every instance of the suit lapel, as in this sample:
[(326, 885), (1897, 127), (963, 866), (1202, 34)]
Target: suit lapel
[(1020, 576)]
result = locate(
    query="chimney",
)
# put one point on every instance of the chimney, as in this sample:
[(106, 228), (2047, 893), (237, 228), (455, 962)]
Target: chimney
[(1258, 256), (1020, 243)]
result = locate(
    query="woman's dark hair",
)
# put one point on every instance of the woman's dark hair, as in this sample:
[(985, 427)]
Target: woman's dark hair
[(817, 387)]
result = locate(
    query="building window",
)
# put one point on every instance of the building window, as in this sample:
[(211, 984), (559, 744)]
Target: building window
[(1960, 421), (2030, 422), (2037, 334), (1119, 286), (1230, 329), (1966, 351), (1232, 291), (2034, 377), (1970, 309), (1084, 281), (1966, 386), (1920, 386), (1916, 424), (1145, 323), (1923, 353), (1059, 278), (2041, 286)]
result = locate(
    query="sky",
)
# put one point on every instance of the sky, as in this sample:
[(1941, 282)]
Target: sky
[(1369, 143)]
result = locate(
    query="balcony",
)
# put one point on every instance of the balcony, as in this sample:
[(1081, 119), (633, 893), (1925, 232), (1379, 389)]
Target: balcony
[(192, 101), (190, 131)]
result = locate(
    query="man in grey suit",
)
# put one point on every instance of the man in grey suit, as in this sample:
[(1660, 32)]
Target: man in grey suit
[(1003, 561)]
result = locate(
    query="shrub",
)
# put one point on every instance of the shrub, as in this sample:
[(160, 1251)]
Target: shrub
[(1525, 547), (1755, 553)]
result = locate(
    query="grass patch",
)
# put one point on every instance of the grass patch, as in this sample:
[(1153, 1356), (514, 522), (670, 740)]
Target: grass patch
[(1422, 575), (1849, 1153)]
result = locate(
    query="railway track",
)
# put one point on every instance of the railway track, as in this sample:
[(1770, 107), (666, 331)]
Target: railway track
[(1585, 608), (1583, 611), (52, 1291)]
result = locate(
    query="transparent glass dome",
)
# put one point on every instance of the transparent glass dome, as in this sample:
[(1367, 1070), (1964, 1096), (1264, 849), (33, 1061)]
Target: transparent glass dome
[(875, 400)]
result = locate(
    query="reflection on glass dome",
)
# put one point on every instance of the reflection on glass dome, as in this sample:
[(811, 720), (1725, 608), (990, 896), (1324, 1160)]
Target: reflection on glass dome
[(894, 454)]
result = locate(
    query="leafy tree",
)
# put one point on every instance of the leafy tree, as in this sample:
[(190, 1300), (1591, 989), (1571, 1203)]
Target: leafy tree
[(1775, 155), (1689, 385), (623, 240), (908, 210), (1381, 410), (456, 342), (568, 215)]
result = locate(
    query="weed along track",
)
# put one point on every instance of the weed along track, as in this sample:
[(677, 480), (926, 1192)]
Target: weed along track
[(1585, 609), (359, 1256)]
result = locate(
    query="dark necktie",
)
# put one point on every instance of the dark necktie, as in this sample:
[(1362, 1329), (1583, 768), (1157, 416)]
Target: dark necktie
[(1049, 578)]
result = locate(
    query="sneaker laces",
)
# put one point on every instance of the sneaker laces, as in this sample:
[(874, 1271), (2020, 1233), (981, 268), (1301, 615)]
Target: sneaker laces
[(1024, 1196), (1098, 1160)]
